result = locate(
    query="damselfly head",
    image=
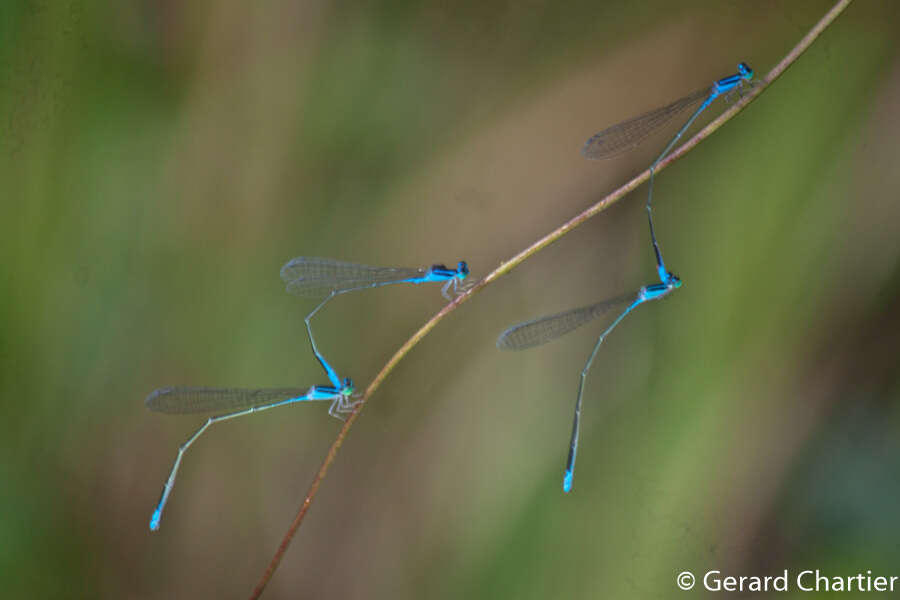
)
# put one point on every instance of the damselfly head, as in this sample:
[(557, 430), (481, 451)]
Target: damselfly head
[(674, 281), (745, 71), (462, 269), (347, 388)]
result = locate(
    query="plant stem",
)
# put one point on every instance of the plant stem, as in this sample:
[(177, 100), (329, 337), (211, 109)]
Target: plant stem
[(507, 266)]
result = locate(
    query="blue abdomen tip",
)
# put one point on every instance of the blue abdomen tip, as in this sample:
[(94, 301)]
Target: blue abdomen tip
[(154, 520), (567, 481)]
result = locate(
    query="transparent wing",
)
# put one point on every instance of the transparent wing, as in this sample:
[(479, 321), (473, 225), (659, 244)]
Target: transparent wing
[(311, 276), (186, 400), (624, 136), (544, 329)]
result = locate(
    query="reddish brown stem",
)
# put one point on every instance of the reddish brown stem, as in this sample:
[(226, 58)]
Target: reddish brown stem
[(507, 266)]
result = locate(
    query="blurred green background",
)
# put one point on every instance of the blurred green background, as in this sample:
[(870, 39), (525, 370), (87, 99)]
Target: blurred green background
[(160, 161)]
